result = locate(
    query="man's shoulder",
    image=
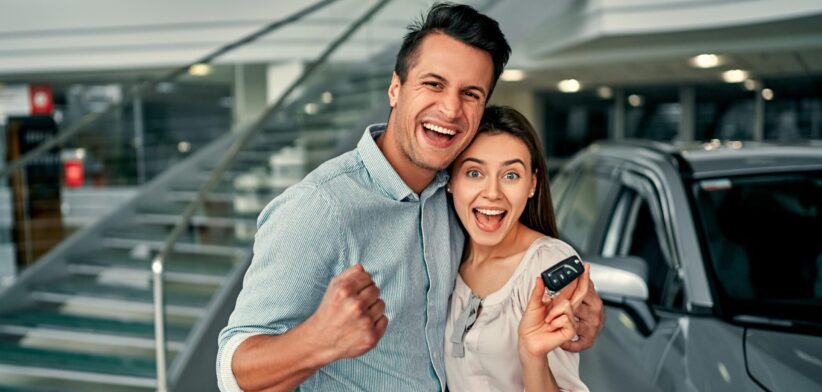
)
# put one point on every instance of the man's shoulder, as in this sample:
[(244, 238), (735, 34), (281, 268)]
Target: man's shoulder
[(323, 185), (334, 170)]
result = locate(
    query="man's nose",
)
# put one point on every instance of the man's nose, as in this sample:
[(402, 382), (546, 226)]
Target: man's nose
[(451, 104)]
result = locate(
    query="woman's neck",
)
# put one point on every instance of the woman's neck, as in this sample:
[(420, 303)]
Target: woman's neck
[(510, 244)]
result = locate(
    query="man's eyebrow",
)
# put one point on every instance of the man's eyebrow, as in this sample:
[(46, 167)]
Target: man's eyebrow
[(444, 80)]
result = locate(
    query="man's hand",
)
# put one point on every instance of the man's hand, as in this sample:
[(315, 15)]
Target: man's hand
[(589, 312), (350, 320)]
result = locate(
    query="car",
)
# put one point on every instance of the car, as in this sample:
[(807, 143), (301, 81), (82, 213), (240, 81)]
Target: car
[(708, 258)]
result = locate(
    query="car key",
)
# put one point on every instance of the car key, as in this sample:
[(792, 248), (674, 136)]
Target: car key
[(561, 274)]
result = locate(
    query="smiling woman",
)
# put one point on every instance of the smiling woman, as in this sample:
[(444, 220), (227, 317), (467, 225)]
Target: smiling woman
[(501, 323)]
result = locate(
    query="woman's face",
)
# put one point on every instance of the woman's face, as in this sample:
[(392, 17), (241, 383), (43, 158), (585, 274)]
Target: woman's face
[(491, 181)]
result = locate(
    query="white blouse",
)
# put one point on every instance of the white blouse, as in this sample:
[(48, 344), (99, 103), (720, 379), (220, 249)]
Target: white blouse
[(486, 358)]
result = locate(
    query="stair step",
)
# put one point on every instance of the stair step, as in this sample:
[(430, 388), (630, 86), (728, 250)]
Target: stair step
[(95, 330), (120, 370), (205, 236), (198, 269), (176, 262), (179, 299)]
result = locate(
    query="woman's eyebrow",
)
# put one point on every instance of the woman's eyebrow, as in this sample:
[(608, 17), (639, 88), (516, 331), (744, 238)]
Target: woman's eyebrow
[(513, 161), (470, 159)]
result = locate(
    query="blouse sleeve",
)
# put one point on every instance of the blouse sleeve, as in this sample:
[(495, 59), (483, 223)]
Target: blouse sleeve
[(549, 252)]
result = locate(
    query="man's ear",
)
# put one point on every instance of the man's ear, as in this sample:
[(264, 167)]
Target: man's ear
[(394, 90)]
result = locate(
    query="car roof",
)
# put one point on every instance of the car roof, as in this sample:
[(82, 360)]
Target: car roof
[(718, 158)]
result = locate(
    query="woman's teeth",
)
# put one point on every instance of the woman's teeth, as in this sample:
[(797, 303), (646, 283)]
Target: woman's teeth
[(490, 212), (438, 129)]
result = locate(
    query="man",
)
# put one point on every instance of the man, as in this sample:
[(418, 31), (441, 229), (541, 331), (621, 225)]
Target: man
[(309, 316)]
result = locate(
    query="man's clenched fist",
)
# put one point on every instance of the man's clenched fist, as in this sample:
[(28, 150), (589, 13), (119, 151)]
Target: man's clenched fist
[(350, 320)]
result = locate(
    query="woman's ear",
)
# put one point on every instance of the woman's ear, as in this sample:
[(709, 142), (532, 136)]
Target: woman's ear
[(533, 184)]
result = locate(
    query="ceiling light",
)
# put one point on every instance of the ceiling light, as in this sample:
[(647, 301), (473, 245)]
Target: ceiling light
[(311, 108), (767, 94), (569, 85), (751, 85), (200, 69), (184, 147), (735, 76), (605, 92), (327, 97), (635, 100), (512, 75), (705, 61)]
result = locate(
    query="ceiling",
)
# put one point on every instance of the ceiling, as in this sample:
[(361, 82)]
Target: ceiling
[(596, 42)]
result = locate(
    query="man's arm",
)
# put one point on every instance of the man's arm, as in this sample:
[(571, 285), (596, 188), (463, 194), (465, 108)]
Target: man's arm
[(349, 322), (589, 312), (298, 300)]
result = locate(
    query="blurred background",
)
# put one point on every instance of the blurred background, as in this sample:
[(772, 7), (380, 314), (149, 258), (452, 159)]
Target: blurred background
[(139, 140)]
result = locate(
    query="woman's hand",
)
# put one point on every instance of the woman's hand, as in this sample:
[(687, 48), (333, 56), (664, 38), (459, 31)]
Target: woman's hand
[(545, 326)]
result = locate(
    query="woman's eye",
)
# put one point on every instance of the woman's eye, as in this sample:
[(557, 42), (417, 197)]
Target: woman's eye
[(473, 173), (511, 176)]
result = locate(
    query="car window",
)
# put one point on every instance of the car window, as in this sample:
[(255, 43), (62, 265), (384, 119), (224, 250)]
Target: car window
[(582, 207), (642, 240), (762, 234)]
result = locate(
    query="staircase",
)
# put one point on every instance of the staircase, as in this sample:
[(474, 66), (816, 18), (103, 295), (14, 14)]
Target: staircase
[(81, 318)]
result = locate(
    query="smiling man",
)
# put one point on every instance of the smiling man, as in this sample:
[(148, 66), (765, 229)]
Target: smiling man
[(353, 267)]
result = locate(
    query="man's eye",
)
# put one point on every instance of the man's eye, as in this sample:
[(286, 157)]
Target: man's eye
[(433, 84), (511, 176), (473, 173)]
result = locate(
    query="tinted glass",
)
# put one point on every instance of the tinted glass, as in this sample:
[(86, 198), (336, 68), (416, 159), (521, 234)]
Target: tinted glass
[(584, 205), (763, 237)]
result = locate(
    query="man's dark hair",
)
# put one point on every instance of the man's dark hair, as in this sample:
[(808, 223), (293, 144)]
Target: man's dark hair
[(462, 23)]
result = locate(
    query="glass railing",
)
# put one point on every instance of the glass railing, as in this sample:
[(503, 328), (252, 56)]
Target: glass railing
[(217, 153), (106, 134)]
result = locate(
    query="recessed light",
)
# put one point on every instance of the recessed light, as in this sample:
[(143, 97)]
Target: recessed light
[(767, 94), (512, 75), (751, 85), (635, 100), (199, 69), (735, 76), (569, 85), (705, 61), (327, 97), (311, 108), (605, 92)]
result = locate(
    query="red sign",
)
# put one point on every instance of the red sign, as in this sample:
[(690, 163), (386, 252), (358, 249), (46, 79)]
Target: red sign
[(41, 99), (73, 170)]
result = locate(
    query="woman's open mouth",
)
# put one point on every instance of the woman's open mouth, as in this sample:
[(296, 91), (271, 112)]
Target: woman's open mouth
[(489, 219)]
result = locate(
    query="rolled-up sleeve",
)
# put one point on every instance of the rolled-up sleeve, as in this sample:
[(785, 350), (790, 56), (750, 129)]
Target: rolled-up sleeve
[(297, 251)]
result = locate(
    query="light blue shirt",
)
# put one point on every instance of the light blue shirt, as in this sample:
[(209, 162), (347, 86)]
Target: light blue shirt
[(355, 209)]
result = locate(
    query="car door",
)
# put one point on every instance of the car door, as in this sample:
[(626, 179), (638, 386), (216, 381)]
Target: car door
[(640, 347)]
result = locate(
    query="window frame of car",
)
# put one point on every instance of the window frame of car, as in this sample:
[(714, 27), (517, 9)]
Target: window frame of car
[(571, 180), (645, 185)]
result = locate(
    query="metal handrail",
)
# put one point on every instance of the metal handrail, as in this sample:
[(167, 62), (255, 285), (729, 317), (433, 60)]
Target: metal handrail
[(140, 89), (242, 140)]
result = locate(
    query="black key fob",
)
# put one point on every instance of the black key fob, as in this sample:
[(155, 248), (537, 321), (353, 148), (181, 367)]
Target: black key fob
[(564, 272)]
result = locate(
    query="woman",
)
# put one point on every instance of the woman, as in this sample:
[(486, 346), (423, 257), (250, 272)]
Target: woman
[(502, 329)]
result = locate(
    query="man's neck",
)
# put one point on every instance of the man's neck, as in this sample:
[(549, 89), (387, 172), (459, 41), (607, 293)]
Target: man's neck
[(415, 177)]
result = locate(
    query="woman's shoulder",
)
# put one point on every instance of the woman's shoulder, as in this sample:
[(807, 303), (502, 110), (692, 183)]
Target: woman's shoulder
[(546, 251)]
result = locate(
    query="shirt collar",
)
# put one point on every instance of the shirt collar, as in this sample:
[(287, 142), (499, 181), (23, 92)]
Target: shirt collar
[(381, 170)]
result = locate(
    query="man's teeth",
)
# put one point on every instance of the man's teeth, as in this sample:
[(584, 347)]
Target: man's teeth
[(490, 212), (438, 129)]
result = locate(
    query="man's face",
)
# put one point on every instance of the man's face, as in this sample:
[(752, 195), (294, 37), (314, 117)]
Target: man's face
[(438, 108)]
